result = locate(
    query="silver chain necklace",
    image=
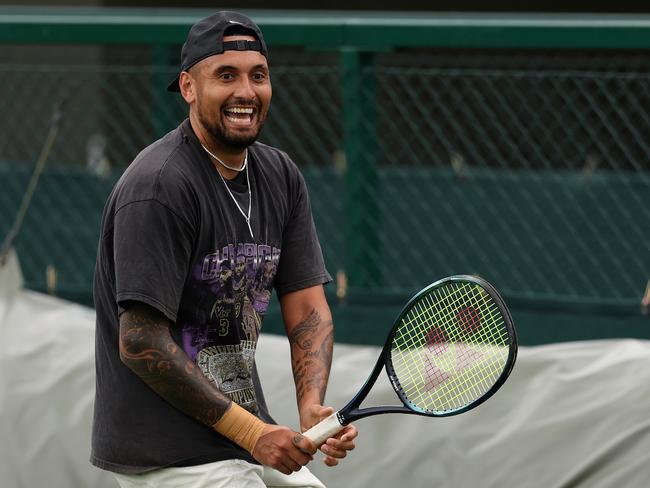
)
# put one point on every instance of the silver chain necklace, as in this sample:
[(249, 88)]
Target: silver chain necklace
[(247, 216), (238, 170)]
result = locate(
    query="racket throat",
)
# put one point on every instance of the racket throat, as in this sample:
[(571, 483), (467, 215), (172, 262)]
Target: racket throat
[(367, 412)]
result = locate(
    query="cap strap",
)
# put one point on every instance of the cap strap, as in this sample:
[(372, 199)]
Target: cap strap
[(242, 45)]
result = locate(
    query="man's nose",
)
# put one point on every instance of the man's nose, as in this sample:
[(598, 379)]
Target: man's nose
[(245, 88)]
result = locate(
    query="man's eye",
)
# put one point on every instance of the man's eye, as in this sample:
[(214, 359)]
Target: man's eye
[(226, 76)]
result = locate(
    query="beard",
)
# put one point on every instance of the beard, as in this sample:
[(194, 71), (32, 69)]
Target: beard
[(235, 140)]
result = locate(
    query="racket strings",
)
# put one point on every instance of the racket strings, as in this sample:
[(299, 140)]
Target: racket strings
[(436, 378), (437, 389), (465, 381), (412, 332), (466, 386), (451, 348)]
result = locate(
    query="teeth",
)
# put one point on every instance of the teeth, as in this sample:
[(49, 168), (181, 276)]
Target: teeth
[(241, 110)]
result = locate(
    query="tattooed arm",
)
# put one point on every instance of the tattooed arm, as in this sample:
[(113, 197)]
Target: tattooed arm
[(310, 330), (148, 349)]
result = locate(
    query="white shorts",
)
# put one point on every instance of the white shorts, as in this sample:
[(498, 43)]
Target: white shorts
[(233, 473)]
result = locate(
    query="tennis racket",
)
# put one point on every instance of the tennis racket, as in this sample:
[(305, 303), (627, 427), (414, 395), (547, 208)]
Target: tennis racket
[(450, 349)]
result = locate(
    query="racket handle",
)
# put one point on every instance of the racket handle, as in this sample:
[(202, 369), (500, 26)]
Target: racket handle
[(324, 429)]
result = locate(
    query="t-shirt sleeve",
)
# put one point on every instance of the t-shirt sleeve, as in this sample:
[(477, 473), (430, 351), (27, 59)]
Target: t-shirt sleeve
[(301, 260), (152, 251)]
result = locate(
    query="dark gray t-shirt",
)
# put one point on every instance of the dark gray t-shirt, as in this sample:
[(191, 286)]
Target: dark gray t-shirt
[(173, 238)]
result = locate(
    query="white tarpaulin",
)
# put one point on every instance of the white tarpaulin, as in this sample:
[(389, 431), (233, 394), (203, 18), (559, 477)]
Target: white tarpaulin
[(571, 415)]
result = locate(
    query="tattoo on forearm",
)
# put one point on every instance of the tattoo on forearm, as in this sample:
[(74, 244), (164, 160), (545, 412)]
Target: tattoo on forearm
[(303, 334), (147, 348), (312, 341)]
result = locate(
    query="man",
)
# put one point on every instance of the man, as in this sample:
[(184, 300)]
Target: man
[(197, 225)]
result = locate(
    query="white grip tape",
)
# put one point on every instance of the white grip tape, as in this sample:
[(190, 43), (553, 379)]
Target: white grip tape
[(324, 429)]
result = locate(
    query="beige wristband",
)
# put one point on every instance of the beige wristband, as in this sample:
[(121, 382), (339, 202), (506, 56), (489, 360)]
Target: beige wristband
[(240, 426)]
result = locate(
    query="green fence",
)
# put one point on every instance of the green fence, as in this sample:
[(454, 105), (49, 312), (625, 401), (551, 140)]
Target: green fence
[(513, 147)]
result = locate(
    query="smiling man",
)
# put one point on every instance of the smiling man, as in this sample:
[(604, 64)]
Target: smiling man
[(196, 234)]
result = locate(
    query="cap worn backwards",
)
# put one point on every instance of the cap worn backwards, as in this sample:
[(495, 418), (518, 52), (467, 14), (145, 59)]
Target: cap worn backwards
[(205, 39)]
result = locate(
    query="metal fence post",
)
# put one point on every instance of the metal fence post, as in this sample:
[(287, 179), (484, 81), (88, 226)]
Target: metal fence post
[(358, 88)]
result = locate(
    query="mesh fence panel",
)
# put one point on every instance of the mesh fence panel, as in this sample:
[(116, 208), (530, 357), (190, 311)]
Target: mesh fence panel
[(535, 176), (529, 168)]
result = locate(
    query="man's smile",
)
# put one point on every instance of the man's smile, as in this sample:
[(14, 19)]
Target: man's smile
[(240, 116)]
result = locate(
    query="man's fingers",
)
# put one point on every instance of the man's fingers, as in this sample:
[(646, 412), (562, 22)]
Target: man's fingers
[(349, 433), (343, 442), (330, 461), (325, 412), (337, 447), (304, 444), (340, 444), (283, 449), (293, 461), (332, 450), (283, 469), (292, 465), (320, 412)]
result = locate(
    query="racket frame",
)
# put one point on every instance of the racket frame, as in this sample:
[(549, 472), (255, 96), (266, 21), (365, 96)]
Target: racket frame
[(351, 412)]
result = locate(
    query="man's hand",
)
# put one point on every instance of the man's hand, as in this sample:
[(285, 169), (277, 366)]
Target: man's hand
[(336, 447), (283, 449)]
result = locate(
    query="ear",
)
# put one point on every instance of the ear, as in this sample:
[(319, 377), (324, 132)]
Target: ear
[(187, 85)]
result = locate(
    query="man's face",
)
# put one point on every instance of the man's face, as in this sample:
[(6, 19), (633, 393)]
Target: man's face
[(241, 265), (225, 274), (230, 95)]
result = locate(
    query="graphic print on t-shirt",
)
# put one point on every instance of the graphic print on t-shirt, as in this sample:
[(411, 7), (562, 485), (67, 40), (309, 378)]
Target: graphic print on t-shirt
[(229, 367), (236, 284)]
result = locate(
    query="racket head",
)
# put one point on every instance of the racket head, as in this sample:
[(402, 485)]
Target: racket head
[(452, 347)]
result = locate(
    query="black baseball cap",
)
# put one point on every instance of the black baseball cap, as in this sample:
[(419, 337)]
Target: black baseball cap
[(205, 39)]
